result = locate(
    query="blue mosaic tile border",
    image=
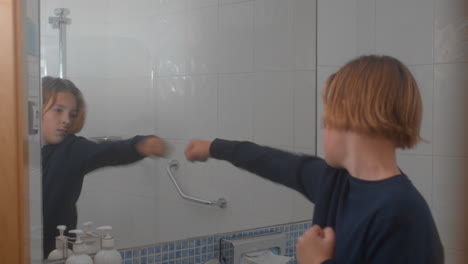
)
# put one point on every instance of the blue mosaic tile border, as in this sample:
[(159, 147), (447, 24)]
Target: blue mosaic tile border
[(199, 250)]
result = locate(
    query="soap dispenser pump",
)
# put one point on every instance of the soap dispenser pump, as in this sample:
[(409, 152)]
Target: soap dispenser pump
[(108, 254), (61, 250), (90, 238), (79, 250)]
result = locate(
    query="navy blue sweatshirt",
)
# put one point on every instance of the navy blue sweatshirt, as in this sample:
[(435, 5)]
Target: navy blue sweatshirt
[(64, 166), (375, 222)]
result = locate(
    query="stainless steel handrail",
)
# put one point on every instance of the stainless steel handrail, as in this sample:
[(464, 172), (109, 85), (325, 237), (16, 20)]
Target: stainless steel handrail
[(173, 165)]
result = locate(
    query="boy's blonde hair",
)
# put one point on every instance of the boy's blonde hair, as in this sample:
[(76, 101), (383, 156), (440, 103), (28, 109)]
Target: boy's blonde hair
[(375, 95), (51, 87)]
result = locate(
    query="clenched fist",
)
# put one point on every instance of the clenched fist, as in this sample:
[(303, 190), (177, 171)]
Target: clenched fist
[(316, 245), (198, 150), (152, 146)]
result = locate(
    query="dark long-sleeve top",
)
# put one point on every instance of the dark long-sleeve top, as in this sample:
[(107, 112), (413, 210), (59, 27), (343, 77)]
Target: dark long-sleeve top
[(375, 222), (64, 166)]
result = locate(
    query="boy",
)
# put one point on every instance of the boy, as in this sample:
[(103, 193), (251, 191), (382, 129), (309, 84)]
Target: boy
[(67, 158), (370, 211)]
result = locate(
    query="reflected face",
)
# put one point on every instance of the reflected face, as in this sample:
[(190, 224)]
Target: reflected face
[(57, 119)]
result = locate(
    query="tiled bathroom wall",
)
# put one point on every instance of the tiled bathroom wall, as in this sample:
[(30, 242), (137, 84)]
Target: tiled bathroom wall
[(185, 69), (201, 249), (430, 36)]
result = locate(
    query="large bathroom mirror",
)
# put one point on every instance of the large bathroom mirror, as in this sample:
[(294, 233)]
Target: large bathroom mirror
[(183, 69)]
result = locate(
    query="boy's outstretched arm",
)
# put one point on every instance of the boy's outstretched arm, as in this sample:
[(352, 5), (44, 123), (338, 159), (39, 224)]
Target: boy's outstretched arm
[(121, 152), (302, 173)]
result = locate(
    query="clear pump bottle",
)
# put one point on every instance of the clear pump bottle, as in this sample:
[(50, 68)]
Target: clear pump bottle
[(108, 254), (61, 250), (90, 238), (79, 250)]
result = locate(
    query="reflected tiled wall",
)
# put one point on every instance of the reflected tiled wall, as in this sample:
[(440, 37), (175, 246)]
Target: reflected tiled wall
[(430, 36), (235, 69)]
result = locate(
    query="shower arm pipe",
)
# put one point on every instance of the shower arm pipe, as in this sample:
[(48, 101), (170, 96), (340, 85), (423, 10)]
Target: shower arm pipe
[(174, 165), (60, 21), (62, 50)]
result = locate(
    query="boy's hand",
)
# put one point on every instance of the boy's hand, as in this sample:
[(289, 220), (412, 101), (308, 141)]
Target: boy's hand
[(152, 146), (316, 245), (198, 150)]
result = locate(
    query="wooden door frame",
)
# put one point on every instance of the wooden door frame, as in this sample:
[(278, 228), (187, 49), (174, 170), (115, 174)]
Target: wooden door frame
[(14, 211)]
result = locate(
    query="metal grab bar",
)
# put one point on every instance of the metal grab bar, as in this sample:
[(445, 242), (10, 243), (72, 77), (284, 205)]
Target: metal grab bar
[(173, 165)]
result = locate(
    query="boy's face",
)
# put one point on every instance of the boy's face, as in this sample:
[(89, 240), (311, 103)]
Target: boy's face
[(57, 120), (334, 147)]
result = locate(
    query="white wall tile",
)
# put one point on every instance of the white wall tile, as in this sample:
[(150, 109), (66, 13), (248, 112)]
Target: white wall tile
[(274, 46), (323, 73), (102, 209), (49, 56), (226, 2), (202, 40), (109, 110), (451, 223), (303, 209), (449, 181), (235, 119), (168, 6), (236, 47), (451, 23), (273, 108), (241, 189), (449, 201), (366, 27), (111, 57), (424, 75), (336, 32), (419, 170), (201, 106), (171, 92), (192, 4), (305, 34), (173, 223), (270, 200), (449, 108), (172, 34), (396, 25), (137, 178), (304, 109)]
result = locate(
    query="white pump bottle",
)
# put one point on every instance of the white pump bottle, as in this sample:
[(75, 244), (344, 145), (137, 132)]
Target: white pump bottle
[(108, 254), (61, 250), (90, 238), (79, 250)]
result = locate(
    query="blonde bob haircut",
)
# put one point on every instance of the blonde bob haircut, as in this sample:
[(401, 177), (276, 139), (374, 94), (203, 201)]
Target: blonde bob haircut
[(51, 86), (377, 96)]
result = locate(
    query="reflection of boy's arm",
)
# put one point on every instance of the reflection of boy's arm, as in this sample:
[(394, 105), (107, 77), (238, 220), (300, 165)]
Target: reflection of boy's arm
[(302, 173), (113, 153)]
